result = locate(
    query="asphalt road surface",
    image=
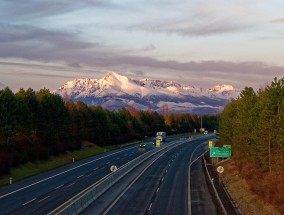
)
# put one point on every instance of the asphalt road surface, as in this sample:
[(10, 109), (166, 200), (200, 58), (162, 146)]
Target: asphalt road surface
[(43, 193), (201, 202), (164, 189)]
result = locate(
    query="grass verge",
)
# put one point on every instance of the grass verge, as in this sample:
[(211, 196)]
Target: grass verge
[(33, 168), (248, 202)]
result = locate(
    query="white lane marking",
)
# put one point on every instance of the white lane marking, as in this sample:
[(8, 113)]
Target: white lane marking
[(89, 175), (108, 163), (70, 184), (59, 186), (150, 206), (188, 184), (96, 168), (117, 158), (29, 202), (80, 176), (63, 173), (157, 190), (43, 199), (162, 179)]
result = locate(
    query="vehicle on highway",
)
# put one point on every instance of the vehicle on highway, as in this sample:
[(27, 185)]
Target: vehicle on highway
[(142, 145), (161, 135)]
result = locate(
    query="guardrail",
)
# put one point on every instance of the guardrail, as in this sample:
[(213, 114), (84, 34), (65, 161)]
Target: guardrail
[(215, 191), (82, 200)]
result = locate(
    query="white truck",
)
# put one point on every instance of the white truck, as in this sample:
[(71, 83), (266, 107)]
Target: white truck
[(161, 135)]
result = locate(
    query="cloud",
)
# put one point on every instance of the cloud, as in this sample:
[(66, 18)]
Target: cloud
[(32, 9), (31, 43), (28, 42), (278, 20), (195, 18), (192, 26), (199, 74)]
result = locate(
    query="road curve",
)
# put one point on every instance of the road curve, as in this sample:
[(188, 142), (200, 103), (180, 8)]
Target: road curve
[(163, 187)]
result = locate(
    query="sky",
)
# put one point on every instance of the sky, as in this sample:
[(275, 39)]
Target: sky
[(45, 43)]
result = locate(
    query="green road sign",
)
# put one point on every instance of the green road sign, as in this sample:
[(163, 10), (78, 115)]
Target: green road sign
[(216, 152), (227, 146)]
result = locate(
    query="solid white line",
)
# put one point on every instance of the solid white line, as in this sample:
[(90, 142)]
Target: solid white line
[(59, 186), (62, 173), (80, 176), (43, 199), (29, 202)]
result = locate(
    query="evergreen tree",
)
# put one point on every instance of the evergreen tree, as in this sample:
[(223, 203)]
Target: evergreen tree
[(8, 116)]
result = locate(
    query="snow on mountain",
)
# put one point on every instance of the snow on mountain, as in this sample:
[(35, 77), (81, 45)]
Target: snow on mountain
[(115, 91), (227, 91)]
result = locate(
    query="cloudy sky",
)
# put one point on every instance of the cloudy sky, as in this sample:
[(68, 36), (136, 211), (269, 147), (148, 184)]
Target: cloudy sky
[(45, 43)]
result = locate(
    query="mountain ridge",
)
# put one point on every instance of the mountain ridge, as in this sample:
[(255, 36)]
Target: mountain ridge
[(115, 91)]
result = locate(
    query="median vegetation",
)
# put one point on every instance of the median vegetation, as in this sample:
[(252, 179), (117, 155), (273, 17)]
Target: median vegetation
[(253, 125)]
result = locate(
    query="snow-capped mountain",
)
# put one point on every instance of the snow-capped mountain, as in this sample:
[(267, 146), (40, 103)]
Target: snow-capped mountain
[(115, 91)]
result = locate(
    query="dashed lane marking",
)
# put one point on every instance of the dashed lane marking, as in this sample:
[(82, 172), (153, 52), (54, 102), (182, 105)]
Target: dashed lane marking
[(150, 206), (59, 186), (29, 202), (39, 201), (70, 184)]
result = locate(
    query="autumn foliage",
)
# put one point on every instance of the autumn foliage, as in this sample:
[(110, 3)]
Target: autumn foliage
[(253, 125), (37, 125)]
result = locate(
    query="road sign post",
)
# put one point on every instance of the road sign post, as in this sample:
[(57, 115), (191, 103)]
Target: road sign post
[(158, 143), (210, 143)]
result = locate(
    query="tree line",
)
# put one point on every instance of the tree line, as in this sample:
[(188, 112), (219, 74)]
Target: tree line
[(37, 125), (253, 125)]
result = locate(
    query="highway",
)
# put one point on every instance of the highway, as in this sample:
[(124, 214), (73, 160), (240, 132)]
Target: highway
[(44, 192), (163, 188)]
